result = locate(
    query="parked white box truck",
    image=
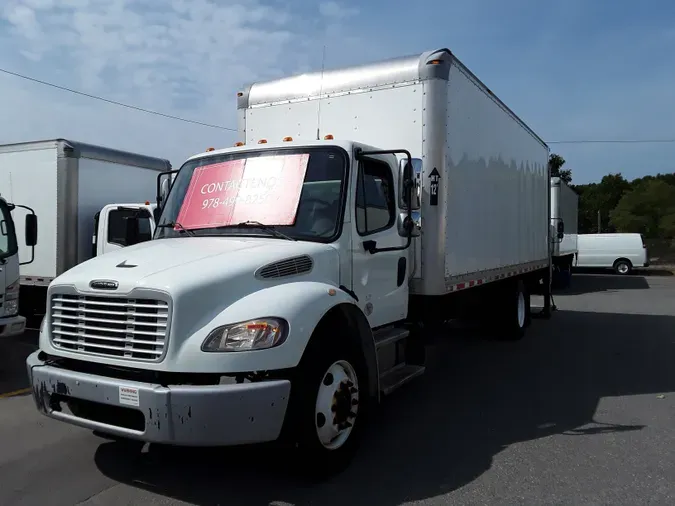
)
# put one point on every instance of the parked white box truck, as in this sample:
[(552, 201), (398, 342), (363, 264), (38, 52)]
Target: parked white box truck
[(565, 220), (73, 187), (290, 280)]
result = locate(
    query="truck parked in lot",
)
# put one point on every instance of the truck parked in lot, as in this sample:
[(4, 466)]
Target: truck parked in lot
[(565, 220), (11, 322), (292, 280), (73, 187)]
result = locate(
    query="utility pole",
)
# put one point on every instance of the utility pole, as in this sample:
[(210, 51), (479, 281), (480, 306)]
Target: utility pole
[(599, 223)]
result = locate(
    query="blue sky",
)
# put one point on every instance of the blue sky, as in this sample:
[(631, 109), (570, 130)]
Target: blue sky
[(572, 70)]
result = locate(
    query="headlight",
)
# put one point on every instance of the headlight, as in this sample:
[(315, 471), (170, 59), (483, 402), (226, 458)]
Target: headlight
[(12, 299), (256, 334)]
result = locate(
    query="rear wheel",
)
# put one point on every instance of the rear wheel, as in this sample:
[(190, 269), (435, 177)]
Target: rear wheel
[(622, 267), (515, 314)]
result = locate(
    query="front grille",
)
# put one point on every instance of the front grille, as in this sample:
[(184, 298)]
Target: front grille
[(113, 327)]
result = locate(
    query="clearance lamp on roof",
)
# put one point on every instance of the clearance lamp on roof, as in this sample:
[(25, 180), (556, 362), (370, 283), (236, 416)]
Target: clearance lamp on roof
[(262, 141), (328, 137), (210, 149), (288, 139), (238, 144)]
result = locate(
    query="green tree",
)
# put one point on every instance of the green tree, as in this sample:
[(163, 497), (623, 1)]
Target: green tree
[(555, 163), (600, 197), (649, 208)]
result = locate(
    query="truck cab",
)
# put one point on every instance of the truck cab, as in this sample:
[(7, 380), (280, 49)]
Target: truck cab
[(11, 323), (295, 279)]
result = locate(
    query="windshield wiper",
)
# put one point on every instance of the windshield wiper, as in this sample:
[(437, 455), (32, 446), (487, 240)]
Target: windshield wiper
[(180, 227), (257, 224)]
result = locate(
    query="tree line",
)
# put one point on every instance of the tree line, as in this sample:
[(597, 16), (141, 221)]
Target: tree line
[(645, 205)]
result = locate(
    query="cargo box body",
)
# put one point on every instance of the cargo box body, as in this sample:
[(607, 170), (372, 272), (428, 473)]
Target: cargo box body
[(485, 194), (565, 208), (66, 183)]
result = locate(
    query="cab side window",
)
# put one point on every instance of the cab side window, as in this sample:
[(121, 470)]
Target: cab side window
[(117, 219), (375, 198)]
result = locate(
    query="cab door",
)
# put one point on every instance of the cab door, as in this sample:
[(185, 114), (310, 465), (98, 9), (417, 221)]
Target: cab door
[(379, 280)]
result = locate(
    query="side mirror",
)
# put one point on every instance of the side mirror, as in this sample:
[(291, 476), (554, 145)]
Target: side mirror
[(131, 234), (410, 180), (561, 230), (156, 213), (31, 233)]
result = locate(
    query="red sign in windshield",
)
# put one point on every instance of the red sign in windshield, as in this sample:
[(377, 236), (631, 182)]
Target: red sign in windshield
[(264, 189)]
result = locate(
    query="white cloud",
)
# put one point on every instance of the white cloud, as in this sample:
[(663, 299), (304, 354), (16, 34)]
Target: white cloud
[(336, 11), (182, 57)]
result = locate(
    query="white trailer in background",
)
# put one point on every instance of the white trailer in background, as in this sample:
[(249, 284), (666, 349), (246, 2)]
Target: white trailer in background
[(291, 279), (70, 186), (565, 220)]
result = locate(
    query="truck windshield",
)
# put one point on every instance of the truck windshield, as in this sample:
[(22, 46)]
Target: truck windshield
[(282, 193), (8, 244)]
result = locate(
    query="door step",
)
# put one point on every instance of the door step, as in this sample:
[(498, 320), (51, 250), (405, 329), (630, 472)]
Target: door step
[(389, 336), (399, 376)]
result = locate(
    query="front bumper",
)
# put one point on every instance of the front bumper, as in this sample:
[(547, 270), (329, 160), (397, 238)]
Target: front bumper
[(189, 415), (12, 326)]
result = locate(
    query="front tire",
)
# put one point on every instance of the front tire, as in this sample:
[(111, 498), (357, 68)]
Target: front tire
[(328, 400)]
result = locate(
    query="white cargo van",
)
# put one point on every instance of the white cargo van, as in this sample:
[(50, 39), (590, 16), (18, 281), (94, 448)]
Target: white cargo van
[(621, 252)]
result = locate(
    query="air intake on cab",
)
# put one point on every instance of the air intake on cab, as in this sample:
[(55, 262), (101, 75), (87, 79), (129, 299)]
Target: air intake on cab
[(289, 267)]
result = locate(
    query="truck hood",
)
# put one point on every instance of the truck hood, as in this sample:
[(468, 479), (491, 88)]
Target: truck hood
[(184, 264)]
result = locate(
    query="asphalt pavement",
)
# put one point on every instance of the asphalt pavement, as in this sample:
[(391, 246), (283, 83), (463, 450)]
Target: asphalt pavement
[(580, 412)]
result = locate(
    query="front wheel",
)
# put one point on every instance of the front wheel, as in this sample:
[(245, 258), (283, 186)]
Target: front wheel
[(328, 399)]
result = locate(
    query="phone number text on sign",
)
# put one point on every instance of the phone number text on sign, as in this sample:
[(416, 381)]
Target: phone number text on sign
[(265, 189), (259, 185)]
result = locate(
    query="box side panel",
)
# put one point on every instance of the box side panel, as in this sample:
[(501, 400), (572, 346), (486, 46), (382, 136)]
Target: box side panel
[(101, 183), (386, 118), (569, 212), (498, 185), (29, 177)]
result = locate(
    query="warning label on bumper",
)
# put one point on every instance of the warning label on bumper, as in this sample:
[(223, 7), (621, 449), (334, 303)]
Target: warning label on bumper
[(129, 396)]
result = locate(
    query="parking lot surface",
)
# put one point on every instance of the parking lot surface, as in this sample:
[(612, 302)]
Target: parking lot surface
[(582, 411)]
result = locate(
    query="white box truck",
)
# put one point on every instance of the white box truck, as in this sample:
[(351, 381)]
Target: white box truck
[(290, 280), (73, 187), (565, 220)]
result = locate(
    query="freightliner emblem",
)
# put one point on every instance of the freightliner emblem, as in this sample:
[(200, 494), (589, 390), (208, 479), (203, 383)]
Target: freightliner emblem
[(104, 284)]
